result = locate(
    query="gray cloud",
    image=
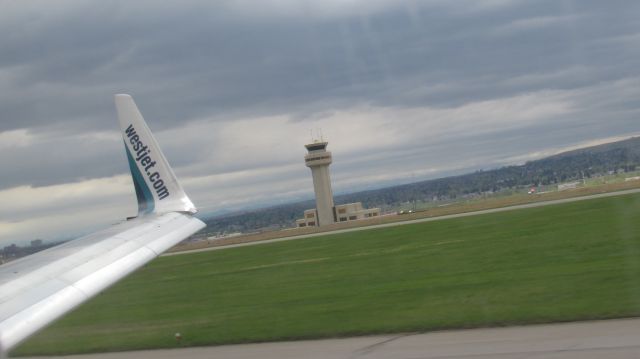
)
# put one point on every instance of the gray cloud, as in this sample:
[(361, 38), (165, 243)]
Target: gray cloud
[(192, 61)]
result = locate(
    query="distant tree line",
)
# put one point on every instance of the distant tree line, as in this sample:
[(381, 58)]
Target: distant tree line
[(567, 166), (282, 216)]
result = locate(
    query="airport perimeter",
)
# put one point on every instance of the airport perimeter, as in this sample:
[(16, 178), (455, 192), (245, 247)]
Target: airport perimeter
[(564, 262), (470, 207)]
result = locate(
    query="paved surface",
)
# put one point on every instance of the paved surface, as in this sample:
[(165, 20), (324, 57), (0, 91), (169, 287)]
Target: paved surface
[(420, 220), (610, 339)]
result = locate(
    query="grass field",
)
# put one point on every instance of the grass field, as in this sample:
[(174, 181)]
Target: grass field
[(474, 205), (557, 263)]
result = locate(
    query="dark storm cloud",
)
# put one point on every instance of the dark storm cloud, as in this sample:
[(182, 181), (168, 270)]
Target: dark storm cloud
[(198, 60), (51, 160)]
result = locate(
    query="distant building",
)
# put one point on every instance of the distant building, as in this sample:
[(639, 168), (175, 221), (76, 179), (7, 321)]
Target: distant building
[(566, 186), (36, 243), (354, 211), (309, 220), (10, 250), (318, 160)]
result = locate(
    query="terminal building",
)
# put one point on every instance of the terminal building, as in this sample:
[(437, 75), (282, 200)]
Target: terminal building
[(318, 160)]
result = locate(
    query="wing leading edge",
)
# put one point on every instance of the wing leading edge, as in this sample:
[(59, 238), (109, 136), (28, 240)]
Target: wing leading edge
[(38, 289)]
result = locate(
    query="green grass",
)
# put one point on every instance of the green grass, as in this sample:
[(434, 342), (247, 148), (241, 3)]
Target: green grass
[(557, 263)]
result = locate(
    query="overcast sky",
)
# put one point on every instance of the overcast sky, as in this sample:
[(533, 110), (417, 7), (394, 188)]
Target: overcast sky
[(403, 90)]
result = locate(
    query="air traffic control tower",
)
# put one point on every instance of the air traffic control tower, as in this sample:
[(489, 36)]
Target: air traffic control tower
[(319, 159)]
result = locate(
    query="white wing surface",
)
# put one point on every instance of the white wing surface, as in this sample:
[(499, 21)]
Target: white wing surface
[(36, 290)]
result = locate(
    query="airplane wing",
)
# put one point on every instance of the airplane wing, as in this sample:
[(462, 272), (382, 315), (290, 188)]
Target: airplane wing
[(38, 289)]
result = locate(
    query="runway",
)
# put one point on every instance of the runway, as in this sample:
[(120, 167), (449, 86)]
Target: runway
[(420, 220), (611, 339)]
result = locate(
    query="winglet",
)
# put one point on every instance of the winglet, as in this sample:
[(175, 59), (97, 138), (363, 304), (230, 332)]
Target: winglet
[(157, 188)]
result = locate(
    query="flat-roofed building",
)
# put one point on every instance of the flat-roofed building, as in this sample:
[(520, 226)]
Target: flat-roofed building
[(310, 219), (354, 211), (566, 186)]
